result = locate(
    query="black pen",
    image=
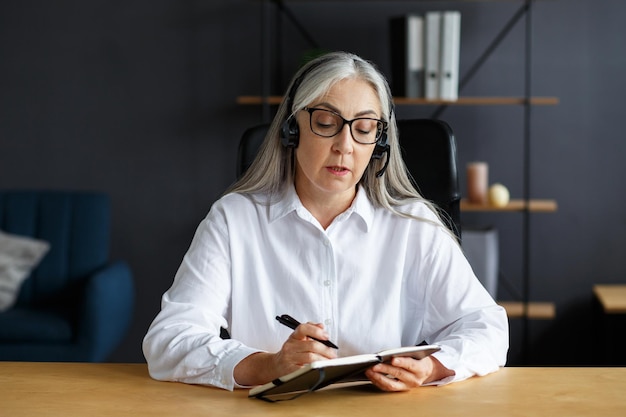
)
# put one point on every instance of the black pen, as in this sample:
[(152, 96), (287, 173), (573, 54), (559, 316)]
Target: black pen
[(292, 323)]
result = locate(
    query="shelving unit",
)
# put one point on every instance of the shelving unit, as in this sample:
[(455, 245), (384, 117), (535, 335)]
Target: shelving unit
[(404, 101), (524, 309)]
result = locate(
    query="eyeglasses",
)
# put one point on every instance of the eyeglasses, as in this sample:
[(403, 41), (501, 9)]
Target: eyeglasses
[(327, 123)]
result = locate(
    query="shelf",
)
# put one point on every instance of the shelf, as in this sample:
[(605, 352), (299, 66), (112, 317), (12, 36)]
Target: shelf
[(612, 297), (534, 310), (481, 101), (536, 206), (461, 101)]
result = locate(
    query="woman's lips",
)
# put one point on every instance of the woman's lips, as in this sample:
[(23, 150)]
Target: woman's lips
[(338, 170)]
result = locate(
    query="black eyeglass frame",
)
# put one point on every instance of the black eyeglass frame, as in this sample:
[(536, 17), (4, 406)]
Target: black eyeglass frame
[(382, 129)]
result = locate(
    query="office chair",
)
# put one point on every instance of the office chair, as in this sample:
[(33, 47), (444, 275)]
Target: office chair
[(429, 152)]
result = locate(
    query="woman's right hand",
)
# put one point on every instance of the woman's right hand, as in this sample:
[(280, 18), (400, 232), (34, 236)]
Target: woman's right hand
[(298, 350)]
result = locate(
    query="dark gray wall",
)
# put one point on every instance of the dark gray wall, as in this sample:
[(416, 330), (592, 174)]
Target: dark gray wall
[(137, 98)]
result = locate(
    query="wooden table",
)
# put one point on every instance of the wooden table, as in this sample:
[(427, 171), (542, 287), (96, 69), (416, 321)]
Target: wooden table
[(76, 389)]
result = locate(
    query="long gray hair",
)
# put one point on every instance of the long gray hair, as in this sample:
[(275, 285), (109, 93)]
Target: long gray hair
[(274, 167)]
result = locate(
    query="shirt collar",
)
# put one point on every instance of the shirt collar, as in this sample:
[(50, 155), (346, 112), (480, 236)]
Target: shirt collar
[(290, 202), (361, 207)]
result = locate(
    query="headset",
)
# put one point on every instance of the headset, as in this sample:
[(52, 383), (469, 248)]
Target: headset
[(290, 133)]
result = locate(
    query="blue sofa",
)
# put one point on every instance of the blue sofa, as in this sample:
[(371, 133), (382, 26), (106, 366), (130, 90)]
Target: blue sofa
[(77, 305)]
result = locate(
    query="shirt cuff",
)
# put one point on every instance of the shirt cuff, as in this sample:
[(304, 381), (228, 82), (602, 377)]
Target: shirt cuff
[(227, 370)]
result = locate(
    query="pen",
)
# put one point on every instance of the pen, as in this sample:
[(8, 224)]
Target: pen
[(292, 323)]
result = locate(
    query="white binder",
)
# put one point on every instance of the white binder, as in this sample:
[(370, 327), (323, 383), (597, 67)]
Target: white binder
[(432, 56), (450, 45), (415, 56)]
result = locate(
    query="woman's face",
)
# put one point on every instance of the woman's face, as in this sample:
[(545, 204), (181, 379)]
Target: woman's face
[(328, 168)]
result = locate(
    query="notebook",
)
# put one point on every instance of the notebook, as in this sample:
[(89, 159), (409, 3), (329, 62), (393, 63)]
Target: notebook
[(320, 374)]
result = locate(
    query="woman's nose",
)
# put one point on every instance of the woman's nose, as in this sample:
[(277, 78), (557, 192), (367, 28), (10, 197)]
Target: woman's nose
[(343, 141)]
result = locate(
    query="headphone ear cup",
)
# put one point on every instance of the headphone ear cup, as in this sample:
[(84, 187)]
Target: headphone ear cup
[(381, 147), (290, 133)]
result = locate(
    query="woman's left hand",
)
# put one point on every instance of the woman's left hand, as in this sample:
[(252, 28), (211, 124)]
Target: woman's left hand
[(404, 373)]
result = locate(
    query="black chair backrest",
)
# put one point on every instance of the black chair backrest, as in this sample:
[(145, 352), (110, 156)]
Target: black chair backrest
[(249, 146), (429, 152)]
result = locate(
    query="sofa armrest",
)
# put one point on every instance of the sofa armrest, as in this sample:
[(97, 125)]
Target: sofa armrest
[(107, 310)]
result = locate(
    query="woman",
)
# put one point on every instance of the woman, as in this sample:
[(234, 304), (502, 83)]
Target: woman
[(325, 226)]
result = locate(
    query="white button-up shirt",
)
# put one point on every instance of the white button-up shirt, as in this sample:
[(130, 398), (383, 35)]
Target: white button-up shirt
[(374, 279)]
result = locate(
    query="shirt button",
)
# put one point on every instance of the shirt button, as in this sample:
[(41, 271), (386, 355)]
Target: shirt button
[(327, 283), (328, 322)]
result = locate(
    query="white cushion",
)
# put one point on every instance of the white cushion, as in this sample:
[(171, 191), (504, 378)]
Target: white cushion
[(19, 255)]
